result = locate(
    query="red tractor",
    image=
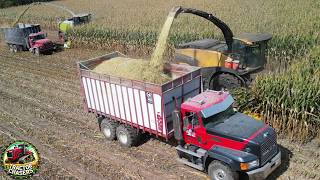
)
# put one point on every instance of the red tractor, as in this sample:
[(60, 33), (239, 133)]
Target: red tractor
[(20, 154)]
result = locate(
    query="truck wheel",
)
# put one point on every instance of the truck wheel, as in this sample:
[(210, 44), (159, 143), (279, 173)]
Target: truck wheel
[(37, 51), (127, 136), (14, 48), (220, 171), (108, 128)]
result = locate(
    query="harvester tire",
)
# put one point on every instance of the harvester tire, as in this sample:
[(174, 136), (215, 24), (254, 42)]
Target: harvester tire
[(127, 136), (108, 129), (218, 170), (225, 81)]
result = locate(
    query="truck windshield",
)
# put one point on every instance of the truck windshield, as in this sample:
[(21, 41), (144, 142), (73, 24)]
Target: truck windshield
[(217, 118), (9, 154), (39, 36)]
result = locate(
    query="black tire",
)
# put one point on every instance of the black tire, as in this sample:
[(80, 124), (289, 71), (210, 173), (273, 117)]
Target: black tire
[(14, 48), (37, 51), (225, 81), (10, 47), (127, 136), (19, 48), (108, 129), (220, 171)]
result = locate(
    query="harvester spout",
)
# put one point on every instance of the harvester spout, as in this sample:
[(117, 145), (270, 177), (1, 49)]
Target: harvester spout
[(40, 3), (227, 33)]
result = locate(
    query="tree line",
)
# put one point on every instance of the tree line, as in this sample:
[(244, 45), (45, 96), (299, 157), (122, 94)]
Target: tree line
[(8, 3)]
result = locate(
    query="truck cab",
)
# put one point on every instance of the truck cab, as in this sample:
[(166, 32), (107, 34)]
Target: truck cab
[(39, 42), (214, 137)]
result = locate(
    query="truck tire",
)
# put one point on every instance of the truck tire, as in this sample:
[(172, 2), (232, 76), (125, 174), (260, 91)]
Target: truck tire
[(14, 48), (108, 129), (37, 51), (127, 136), (219, 171)]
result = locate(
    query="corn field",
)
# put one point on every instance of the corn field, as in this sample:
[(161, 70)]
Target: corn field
[(288, 95)]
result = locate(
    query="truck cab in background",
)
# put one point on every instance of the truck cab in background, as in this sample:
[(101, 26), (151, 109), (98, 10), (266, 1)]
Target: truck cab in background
[(39, 43), (28, 37), (214, 137)]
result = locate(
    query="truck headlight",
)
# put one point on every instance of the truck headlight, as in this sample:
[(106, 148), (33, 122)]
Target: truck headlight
[(249, 165)]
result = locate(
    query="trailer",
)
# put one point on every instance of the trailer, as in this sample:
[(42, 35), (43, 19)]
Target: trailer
[(211, 135), (142, 105), (28, 37)]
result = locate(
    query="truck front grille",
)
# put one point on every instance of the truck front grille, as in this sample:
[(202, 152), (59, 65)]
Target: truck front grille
[(268, 148)]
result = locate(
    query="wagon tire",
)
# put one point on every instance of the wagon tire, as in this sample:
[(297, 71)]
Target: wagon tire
[(108, 129), (19, 48), (14, 48), (10, 47), (220, 171), (127, 136)]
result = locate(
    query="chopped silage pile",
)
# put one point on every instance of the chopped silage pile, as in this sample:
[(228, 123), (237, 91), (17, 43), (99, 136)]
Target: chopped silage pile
[(139, 69)]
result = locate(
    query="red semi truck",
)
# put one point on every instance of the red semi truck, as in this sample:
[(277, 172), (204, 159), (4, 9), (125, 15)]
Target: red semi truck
[(212, 136), (28, 37)]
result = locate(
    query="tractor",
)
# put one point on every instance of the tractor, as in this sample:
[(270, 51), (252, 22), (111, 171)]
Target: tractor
[(20, 154), (225, 64)]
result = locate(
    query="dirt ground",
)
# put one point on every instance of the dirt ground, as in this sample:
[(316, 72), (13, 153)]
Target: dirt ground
[(40, 103)]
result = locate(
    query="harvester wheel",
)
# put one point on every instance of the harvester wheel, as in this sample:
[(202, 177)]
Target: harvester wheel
[(127, 136), (220, 171), (108, 128), (225, 81)]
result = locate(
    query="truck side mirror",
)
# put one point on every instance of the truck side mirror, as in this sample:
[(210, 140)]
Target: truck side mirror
[(178, 134), (185, 123)]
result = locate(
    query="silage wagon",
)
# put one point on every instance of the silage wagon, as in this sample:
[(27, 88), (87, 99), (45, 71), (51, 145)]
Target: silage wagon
[(211, 135)]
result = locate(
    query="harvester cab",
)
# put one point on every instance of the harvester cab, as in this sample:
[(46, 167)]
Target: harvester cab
[(67, 25), (226, 64), (78, 19)]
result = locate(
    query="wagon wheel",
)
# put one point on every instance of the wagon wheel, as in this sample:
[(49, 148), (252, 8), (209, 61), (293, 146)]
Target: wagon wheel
[(10, 48), (19, 48)]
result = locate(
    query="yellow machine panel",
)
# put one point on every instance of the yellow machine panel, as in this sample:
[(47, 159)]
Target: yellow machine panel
[(204, 58)]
